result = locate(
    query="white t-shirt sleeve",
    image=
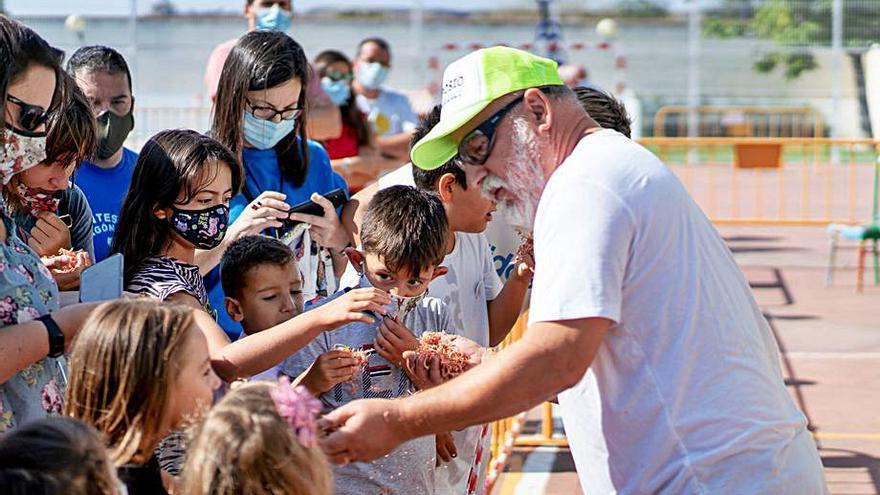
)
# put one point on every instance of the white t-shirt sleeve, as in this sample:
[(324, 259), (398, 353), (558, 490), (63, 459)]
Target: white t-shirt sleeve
[(491, 281), (583, 237), (408, 118)]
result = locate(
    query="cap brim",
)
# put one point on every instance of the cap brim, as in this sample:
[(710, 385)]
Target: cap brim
[(437, 148)]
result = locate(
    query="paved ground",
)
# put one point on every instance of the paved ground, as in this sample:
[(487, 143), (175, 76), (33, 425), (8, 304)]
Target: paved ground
[(829, 339)]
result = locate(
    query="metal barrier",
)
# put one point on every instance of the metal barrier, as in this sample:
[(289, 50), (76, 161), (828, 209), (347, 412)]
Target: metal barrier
[(740, 121), (803, 181)]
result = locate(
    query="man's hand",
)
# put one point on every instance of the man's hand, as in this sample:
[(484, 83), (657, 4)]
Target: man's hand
[(331, 367), (446, 450), (363, 430), (326, 230), (49, 235), (393, 339), (352, 306)]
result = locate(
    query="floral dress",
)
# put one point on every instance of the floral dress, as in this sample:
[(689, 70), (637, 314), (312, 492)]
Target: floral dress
[(27, 291)]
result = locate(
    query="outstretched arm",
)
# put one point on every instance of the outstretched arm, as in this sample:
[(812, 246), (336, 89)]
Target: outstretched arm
[(551, 357)]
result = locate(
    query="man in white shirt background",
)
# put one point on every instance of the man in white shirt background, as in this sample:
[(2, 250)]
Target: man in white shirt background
[(389, 111)]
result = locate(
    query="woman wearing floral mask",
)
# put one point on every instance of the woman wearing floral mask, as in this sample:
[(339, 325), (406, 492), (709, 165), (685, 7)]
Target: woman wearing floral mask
[(352, 154), (50, 213), (261, 114), (32, 341)]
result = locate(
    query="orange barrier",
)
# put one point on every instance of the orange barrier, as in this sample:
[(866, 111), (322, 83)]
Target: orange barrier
[(801, 181)]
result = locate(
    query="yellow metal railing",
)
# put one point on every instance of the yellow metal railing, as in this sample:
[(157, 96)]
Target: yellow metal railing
[(801, 181), (740, 121)]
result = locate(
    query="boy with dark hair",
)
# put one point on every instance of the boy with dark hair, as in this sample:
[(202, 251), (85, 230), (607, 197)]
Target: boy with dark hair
[(404, 240), (103, 75), (263, 288), (606, 110)]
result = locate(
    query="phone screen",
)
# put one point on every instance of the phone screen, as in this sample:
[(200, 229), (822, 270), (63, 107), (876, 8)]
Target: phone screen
[(103, 281)]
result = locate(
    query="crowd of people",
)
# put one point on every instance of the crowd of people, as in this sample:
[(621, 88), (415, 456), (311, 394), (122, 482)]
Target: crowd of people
[(248, 334)]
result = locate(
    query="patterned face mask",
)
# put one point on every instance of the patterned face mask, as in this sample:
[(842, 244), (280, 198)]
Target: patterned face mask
[(35, 201), (19, 153), (205, 229)]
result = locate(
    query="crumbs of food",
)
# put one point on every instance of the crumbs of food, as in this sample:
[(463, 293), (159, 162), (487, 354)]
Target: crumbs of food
[(453, 361)]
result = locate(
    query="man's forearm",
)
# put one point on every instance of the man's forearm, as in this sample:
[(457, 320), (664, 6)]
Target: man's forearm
[(550, 358)]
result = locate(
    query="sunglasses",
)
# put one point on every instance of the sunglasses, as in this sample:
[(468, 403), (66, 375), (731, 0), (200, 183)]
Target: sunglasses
[(31, 117), (339, 76), (269, 113), (477, 145)]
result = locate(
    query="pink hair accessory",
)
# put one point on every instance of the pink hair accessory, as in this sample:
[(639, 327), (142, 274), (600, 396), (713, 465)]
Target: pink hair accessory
[(299, 408)]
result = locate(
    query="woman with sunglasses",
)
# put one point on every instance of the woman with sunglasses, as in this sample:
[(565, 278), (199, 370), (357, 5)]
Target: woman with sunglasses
[(352, 154), (260, 113), (33, 330)]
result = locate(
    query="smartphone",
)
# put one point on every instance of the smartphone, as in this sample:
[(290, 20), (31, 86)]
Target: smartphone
[(336, 196), (102, 281)]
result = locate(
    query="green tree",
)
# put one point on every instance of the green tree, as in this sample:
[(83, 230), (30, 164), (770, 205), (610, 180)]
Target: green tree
[(797, 26)]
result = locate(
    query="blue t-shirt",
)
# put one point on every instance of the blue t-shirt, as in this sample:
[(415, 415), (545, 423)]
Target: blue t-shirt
[(105, 188), (262, 173)]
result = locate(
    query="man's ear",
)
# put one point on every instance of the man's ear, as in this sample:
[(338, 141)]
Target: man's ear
[(439, 272), (446, 187), (536, 104), (233, 309), (355, 257)]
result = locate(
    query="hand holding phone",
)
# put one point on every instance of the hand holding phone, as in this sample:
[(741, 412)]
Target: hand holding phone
[(337, 197)]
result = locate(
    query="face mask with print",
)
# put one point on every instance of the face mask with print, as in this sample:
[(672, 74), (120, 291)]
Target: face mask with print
[(113, 130), (372, 75), (36, 201), (205, 229), (338, 91), (264, 134), (400, 305), (274, 19), (20, 152)]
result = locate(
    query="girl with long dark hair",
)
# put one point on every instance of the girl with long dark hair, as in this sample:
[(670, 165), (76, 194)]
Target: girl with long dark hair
[(260, 113)]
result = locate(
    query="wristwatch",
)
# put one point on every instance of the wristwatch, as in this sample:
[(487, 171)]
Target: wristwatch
[(56, 338)]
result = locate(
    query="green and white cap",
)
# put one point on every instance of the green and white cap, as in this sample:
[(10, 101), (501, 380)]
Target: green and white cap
[(470, 84)]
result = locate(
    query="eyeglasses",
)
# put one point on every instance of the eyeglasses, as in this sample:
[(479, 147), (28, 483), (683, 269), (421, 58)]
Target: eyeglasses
[(476, 147), (339, 76), (269, 113), (31, 116)]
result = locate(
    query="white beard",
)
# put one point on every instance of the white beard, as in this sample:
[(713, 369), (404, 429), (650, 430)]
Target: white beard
[(525, 179)]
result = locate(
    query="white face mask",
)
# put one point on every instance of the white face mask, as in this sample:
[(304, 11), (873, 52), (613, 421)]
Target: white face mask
[(400, 305), (19, 153)]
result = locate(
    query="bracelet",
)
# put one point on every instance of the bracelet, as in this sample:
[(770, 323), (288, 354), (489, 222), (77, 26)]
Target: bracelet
[(56, 337)]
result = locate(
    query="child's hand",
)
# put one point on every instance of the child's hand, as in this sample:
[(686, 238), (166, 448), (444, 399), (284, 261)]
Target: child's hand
[(352, 306), (393, 340), (331, 368), (264, 212), (49, 235), (326, 230), (423, 369), (446, 450)]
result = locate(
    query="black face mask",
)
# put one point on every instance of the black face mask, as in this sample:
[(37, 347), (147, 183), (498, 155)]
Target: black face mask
[(112, 131)]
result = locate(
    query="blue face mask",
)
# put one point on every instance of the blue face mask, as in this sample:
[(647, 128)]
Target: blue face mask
[(372, 75), (265, 134), (274, 18), (338, 91)]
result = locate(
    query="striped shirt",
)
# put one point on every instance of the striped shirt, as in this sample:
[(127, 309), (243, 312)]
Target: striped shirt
[(162, 277)]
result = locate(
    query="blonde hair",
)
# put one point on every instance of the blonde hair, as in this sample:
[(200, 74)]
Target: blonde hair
[(244, 446), (122, 367)]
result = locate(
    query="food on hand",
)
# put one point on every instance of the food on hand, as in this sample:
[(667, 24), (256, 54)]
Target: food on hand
[(67, 261), (453, 361)]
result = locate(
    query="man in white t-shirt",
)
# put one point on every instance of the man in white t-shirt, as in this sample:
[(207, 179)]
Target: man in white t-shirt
[(471, 289), (390, 113), (633, 281)]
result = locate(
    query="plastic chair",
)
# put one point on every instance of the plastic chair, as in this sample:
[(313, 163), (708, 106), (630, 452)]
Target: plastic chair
[(864, 234)]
